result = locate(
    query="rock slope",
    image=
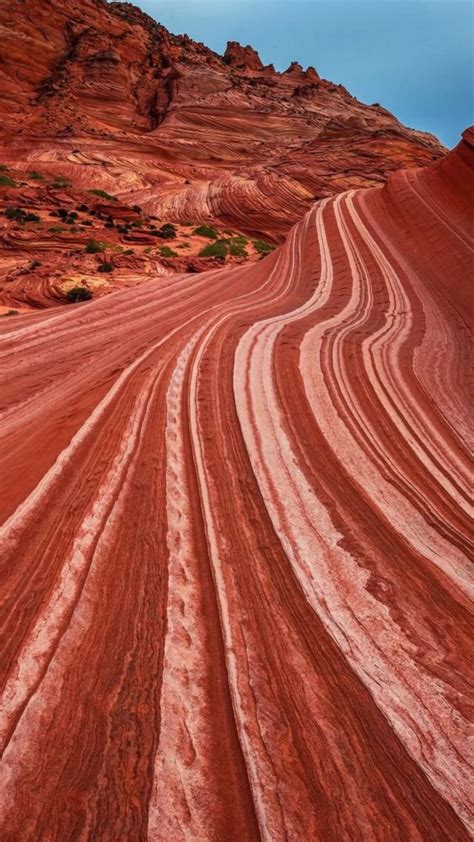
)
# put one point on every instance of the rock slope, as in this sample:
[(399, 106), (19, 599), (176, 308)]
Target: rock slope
[(102, 94), (235, 539)]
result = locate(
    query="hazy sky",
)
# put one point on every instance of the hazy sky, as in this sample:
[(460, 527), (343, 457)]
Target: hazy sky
[(415, 57)]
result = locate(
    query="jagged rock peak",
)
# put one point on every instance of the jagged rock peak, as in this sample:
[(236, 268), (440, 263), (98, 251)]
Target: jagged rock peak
[(243, 57), (295, 69)]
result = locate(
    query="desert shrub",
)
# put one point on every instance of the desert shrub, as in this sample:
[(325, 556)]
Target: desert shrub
[(83, 208), (165, 251), (105, 267), (10, 313), (137, 223), (36, 175), (7, 181), (166, 232), (103, 195), (34, 264), (56, 229), (128, 251), (206, 231), (136, 208), (60, 181), (237, 250), (263, 247), (94, 246), (3, 168), (32, 217), (78, 294), (217, 249), (15, 213)]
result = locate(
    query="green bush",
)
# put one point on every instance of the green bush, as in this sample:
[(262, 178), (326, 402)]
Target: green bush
[(166, 232), (128, 251), (17, 214), (78, 294), (165, 251), (60, 181), (36, 175), (238, 251), (94, 247), (263, 247), (6, 181), (105, 267), (206, 231), (57, 229), (10, 313), (217, 249), (104, 195)]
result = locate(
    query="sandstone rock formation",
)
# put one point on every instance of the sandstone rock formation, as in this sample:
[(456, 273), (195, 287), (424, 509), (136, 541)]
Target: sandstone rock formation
[(107, 97), (235, 532)]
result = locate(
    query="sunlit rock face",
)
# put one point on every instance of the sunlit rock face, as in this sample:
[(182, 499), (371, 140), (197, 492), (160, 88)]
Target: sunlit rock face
[(108, 97)]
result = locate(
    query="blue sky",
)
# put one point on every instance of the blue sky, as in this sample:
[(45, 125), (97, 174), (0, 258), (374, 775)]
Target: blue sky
[(415, 57)]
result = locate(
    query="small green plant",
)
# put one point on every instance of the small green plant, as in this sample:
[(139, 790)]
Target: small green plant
[(105, 267), (60, 181), (166, 232), (57, 229), (136, 208), (10, 313), (95, 247), (3, 168), (32, 217), (263, 247), (78, 294), (237, 250), (206, 231), (35, 264), (103, 195), (217, 249), (6, 181), (165, 251), (36, 176), (15, 214), (128, 252)]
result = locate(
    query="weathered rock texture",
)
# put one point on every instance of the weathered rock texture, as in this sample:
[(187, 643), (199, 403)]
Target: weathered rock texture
[(235, 539), (109, 98)]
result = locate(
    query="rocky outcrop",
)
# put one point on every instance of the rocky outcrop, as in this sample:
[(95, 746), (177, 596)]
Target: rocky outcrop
[(105, 96), (244, 58)]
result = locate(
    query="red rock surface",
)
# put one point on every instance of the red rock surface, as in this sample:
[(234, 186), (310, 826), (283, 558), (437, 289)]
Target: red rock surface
[(235, 540), (102, 94)]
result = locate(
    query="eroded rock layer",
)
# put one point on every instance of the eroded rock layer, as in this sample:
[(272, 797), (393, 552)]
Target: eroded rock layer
[(235, 540), (102, 94)]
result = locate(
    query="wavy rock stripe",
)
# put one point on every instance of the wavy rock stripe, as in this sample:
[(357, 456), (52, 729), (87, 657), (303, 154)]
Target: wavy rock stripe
[(235, 542)]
